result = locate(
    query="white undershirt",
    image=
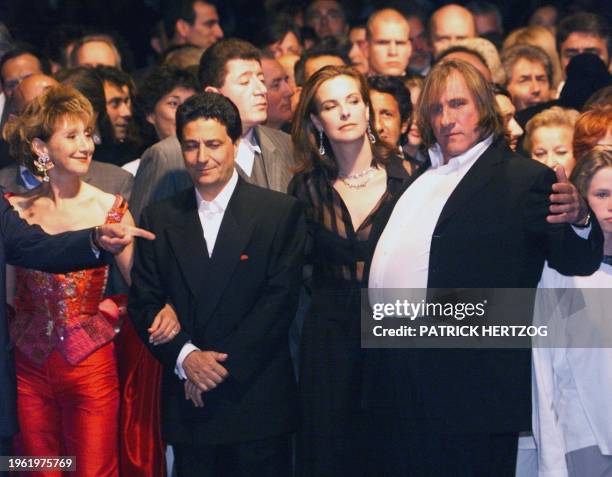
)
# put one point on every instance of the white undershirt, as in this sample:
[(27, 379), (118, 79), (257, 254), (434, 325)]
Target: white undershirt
[(401, 259), (246, 152)]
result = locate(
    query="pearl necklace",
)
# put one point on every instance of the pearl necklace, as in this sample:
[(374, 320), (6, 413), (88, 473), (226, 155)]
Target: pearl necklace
[(367, 173)]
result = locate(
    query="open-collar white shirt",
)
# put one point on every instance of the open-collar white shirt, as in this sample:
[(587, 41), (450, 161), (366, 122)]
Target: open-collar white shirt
[(401, 259), (247, 149)]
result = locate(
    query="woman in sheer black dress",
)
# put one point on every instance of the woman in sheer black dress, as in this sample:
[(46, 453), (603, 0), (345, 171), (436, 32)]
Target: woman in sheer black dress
[(348, 184)]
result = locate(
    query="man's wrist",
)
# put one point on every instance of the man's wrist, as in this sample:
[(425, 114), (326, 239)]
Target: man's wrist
[(95, 237), (585, 222), (94, 244)]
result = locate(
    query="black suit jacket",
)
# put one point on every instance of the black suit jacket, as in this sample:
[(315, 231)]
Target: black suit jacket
[(239, 301), (492, 233), (28, 246)]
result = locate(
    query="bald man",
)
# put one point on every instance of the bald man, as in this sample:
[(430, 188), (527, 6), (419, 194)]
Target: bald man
[(28, 89), (388, 43), (448, 23)]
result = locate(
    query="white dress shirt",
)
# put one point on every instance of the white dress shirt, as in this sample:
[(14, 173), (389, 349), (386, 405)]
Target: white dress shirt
[(572, 385), (211, 215), (246, 152), (401, 259)]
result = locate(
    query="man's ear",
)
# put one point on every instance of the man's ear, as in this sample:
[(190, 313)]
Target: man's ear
[(212, 89), (404, 127), (39, 147), (182, 27)]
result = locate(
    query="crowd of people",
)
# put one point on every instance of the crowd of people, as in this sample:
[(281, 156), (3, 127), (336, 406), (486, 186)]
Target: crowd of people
[(401, 146)]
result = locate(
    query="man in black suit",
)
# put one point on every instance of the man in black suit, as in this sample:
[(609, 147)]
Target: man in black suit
[(28, 246), (228, 259), (475, 218)]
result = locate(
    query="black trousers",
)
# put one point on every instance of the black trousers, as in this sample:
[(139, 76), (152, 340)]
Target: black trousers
[(263, 458), (400, 452)]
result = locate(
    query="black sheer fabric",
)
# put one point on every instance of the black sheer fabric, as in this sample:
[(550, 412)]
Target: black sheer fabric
[(330, 442)]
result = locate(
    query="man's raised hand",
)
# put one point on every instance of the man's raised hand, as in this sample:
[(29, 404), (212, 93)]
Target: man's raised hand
[(567, 207)]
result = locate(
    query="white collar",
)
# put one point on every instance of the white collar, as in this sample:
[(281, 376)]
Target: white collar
[(460, 161), (247, 149), (219, 203), (250, 141)]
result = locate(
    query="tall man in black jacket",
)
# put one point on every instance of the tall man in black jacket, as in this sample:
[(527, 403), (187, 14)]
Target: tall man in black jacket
[(477, 217)]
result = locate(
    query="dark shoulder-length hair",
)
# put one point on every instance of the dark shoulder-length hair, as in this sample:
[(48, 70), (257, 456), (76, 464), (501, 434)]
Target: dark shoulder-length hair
[(305, 135), (491, 121)]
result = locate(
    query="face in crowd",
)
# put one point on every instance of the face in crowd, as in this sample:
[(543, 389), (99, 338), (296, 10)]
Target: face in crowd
[(389, 45), (16, 70), (455, 117), (420, 58), (95, 53), (450, 23), (528, 83), (552, 146), (513, 130), (245, 86), (599, 197), (205, 30), (577, 43), (208, 153), (326, 18), (163, 117), (70, 147), (387, 118), (118, 108), (342, 113), (279, 95), (357, 53)]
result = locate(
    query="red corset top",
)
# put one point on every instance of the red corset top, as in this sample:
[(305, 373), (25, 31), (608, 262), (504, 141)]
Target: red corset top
[(48, 306)]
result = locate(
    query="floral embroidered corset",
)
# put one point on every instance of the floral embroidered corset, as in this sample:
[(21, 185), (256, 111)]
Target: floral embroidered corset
[(50, 307)]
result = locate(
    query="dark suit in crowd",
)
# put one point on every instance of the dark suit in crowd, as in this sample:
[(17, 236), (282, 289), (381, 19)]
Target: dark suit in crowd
[(238, 301)]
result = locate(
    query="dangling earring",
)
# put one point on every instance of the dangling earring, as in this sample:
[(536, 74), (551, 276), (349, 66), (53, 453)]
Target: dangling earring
[(42, 163), (321, 145), (371, 136)]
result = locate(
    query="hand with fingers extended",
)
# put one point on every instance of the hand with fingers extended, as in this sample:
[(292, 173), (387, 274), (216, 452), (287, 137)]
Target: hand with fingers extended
[(193, 393), (115, 237), (204, 369), (165, 326), (567, 206)]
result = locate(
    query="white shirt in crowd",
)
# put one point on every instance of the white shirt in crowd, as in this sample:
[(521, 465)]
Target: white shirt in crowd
[(401, 259)]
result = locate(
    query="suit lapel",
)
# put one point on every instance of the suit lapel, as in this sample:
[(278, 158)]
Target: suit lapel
[(479, 175), (188, 244), (234, 234)]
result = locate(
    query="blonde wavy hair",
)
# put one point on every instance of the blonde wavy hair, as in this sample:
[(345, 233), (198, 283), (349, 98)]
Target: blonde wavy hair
[(41, 118), (552, 117)]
